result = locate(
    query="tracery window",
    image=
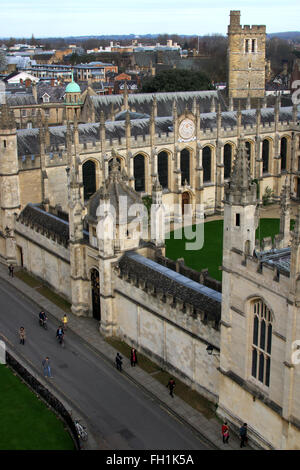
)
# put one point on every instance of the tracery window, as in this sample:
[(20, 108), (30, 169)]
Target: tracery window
[(206, 163), (185, 166), (261, 342), (162, 168), (283, 153), (227, 160), (265, 155)]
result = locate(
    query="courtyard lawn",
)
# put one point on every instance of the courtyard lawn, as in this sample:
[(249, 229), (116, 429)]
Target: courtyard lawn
[(210, 255), (26, 422)]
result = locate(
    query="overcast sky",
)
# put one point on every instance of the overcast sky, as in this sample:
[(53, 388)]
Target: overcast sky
[(22, 18)]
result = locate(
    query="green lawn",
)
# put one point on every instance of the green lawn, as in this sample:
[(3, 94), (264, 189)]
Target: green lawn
[(210, 256), (26, 422)]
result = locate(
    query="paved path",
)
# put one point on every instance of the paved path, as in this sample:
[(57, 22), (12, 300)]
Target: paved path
[(137, 390)]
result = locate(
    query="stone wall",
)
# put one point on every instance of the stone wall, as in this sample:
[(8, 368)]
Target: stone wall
[(45, 258), (175, 340)]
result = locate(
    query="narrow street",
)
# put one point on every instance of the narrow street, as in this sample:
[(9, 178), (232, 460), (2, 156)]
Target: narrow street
[(120, 414)]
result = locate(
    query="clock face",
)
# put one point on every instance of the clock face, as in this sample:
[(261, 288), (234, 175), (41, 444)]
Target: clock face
[(186, 129)]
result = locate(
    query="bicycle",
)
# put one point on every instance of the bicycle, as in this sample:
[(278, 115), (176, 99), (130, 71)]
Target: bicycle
[(81, 430), (43, 323)]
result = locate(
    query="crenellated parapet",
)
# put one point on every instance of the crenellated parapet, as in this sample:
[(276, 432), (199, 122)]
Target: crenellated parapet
[(187, 300)]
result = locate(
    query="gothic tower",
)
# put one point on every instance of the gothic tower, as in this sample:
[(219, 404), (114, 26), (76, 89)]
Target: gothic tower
[(246, 59), (9, 183)]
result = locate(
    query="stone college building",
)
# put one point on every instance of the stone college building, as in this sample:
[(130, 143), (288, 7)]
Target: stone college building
[(195, 148)]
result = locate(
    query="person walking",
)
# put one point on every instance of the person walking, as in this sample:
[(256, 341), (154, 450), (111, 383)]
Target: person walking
[(171, 385), (11, 270), (47, 368), (225, 432), (243, 435), (133, 357), (22, 335), (119, 362), (65, 321)]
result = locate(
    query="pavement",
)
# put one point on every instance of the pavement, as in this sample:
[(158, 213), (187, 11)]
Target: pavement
[(88, 330)]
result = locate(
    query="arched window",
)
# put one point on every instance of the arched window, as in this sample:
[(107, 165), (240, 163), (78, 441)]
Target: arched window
[(185, 166), (248, 149), (283, 153), (89, 179), (265, 155), (227, 160), (162, 168), (206, 163), (139, 172), (261, 342)]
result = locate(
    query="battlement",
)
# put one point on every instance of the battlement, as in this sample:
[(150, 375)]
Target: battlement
[(257, 29), (185, 313)]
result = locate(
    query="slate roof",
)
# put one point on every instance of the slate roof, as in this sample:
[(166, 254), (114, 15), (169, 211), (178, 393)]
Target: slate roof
[(142, 102), (56, 93), (48, 224), (20, 99), (170, 282), (280, 258)]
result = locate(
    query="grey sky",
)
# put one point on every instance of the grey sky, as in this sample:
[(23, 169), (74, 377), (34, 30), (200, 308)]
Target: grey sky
[(95, 17)]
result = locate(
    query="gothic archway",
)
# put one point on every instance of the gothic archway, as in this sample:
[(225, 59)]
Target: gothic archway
[(95, 290), (89, 179), (162, 168), (139, 172), (185, 166)]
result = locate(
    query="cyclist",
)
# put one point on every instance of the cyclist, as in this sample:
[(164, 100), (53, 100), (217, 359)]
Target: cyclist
[(42, 318), (60, 334)]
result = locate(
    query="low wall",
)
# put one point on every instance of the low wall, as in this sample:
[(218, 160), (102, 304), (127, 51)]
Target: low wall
[(44, 393)]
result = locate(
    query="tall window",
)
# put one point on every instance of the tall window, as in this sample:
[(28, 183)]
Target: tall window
[(89, 178), (262, 342), (139, 172), (206, 163), (185, 166), (162, 168), (227, 160), (283, 152), (265, 155)]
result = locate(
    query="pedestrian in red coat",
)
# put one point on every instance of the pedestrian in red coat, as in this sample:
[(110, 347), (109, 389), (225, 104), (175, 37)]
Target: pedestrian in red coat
[(133, 357), (225, 433)]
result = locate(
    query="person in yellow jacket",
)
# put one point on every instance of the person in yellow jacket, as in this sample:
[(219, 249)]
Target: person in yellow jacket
[(65, 321)]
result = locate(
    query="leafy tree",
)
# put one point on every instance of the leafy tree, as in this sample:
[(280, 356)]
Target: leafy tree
[(176, 80)]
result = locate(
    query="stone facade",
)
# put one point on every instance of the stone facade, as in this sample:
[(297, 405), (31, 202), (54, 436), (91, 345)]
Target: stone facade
[(246, 59)]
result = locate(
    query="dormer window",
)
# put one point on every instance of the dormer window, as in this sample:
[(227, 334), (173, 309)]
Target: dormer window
[(46, 98)]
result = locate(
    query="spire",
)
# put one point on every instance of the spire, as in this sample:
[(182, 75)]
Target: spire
[(285, 214), (296, 231), (241, 190)]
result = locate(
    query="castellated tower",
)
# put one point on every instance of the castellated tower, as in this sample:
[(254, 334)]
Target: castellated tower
[(9, 183), (246, 59)]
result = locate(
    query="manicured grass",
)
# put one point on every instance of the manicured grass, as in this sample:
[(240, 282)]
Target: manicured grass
[(26, 422), (190, 396), (124, 350), (43, 290), (55, 298), (25, 277), (210, 255)]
